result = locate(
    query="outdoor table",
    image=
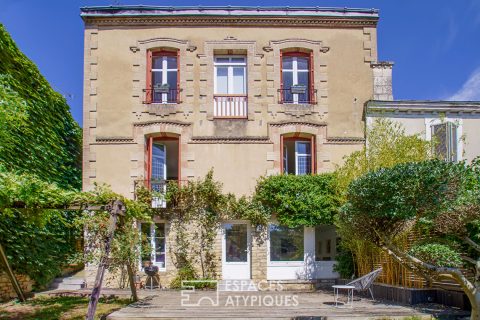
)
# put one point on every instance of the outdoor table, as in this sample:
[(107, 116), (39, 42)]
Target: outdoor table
[(349, 294)]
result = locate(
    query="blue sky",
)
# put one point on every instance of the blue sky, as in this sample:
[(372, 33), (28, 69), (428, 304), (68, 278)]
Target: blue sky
[(435, 44)]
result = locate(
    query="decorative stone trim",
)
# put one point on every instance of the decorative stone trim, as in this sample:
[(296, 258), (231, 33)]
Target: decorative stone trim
[(320, 69), (90, 107), (294, 21), (317, 129), (160, 122), (369, 44), (114, 140), (228, 140), (186, 74), (294, 123), (345, 140), (206, 67), (141, 130), (415, 107)]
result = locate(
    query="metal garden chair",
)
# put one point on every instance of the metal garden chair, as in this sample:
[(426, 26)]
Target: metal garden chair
[(365, 282)]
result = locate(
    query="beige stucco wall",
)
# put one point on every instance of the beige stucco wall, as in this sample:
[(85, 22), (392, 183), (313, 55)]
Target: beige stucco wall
[(471, 138), (468, 136), (117, 123), (115, 73)]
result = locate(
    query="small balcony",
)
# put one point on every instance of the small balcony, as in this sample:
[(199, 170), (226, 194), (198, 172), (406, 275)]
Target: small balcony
[(159, 188), (297, 95), (230, 106), (162, 95)]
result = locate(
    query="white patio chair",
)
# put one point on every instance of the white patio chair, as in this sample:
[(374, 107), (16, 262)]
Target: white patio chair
[(365, 282)]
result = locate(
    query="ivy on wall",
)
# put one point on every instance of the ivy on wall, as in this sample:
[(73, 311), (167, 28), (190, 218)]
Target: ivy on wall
[(38, 134), (41, 143)]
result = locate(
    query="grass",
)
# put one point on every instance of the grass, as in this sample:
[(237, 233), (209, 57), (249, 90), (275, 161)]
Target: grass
[(61, 308)]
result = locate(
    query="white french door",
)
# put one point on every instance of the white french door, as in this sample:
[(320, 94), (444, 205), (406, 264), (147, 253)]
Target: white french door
[(236, 251), (295, 71), (303, 158), (159, 173)]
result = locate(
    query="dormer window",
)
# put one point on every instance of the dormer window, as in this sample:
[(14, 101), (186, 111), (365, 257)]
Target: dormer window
[(162, 77)]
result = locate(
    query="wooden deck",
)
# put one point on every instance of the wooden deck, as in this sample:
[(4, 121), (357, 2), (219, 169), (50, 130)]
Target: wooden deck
[(255, 305)]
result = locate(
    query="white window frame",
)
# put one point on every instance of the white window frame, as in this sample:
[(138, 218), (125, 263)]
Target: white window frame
[(295, 71), (164, 71), (297, 154), (458, 122), (283, 263), (152, 244), (230, 65), (158, 202)]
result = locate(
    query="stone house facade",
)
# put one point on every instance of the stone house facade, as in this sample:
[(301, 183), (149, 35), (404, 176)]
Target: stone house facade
[(171, 92), (451, 125)]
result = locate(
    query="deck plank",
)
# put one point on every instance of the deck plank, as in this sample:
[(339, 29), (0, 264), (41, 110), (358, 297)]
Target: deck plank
[(315, 305)]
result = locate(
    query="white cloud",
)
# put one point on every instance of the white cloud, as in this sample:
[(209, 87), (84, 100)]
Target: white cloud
[(470, 90)]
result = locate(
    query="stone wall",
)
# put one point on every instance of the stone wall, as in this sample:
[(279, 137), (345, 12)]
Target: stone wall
[(6, 289), (382, 80)]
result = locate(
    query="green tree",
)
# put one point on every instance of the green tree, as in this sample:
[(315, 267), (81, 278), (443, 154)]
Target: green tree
[(440, 200), (387, 145)]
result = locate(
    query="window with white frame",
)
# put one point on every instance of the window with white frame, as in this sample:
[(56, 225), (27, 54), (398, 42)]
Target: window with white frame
[(444, 137), (297, 157), (296, 78), (286, 244), (230, 75), (153, 240), (164, 77)]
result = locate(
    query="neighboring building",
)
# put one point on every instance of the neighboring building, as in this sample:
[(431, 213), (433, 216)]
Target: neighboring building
[(451, 125), (171, 92)]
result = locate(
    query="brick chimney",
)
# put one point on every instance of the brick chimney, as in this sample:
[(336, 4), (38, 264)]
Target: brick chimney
[(382, 80)]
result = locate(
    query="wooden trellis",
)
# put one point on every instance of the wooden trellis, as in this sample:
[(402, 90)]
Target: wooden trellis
[(116, 210)]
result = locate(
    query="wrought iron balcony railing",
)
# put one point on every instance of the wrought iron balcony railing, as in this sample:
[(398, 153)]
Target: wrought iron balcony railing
[(162, 95), (292, 96), (159, 190)]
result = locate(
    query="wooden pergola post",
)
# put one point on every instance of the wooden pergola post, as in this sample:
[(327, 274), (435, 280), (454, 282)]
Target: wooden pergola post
[(11, 275), (116, 209)]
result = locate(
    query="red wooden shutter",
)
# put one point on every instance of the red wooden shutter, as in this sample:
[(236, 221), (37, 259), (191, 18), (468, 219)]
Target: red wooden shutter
[(313, 155), (281, 83), (149, 160), (178, 81), (312, 84), (281, 154), (148, 82), (179, 160)]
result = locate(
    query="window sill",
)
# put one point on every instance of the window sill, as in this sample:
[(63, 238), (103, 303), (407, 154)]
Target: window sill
[(161, 103), (285, 263), (230, 118)]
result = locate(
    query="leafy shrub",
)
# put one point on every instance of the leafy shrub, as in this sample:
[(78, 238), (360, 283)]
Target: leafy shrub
[(437, 254), (39, 250), (344, 265), (306, 200)]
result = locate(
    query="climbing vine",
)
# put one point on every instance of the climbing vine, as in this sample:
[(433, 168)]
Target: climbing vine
[(38, 134)]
